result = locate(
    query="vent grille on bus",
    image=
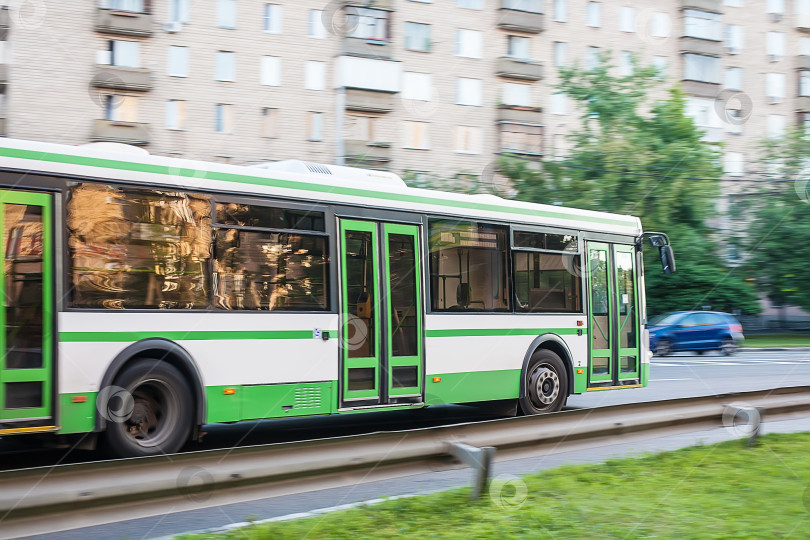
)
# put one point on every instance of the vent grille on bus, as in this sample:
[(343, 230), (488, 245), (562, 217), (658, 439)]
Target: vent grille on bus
[(314, 167), (307, 397)]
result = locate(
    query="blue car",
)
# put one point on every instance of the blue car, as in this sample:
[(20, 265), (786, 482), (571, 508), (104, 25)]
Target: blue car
[(695, 331)]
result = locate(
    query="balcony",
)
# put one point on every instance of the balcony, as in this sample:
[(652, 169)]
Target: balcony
[(367, 154), (803, 104), (368, 48), (520, 21), (121, 78), (514, 68), (125, 23), (369, 101), (803, 22), (374, 4), (135, 133), (701, 46), (701, 89), (713, 6), (803, 62), (516, 113)]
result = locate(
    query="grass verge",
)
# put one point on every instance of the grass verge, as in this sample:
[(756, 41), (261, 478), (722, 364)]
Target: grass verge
[(725, 490), (777, 340)]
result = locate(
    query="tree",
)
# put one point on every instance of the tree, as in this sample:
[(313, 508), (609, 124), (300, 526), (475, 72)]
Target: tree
[(646, 159), (778, 239)]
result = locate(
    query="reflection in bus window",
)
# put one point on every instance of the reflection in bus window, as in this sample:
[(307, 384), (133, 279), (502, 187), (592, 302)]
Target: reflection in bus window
[(138, 248), (546, 282), (269, 271), (468, 266)]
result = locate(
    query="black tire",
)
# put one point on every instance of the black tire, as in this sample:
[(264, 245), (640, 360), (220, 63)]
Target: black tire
[(546, 384), (700, 352), (663, 347), (156, 415), (728, 347)]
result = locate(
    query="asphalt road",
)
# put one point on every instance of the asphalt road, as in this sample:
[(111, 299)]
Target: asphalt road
[(680, 375)]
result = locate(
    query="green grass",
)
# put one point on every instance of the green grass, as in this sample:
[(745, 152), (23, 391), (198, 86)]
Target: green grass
[(777, 340), (720, 491)]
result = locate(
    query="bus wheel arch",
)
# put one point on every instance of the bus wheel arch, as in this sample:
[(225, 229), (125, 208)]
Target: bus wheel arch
[(165, 351), (555, 344)]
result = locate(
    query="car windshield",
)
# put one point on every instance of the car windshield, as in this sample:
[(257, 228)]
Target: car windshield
[(665, 318)]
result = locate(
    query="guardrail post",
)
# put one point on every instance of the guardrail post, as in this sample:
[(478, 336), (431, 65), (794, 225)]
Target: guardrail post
[(480, 459)]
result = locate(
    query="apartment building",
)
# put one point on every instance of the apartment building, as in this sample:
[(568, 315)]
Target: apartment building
[(438, 87)]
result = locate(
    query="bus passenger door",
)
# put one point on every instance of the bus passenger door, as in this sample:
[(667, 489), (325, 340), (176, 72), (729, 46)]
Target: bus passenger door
[(26, 313), (612, 315), (381, 314)]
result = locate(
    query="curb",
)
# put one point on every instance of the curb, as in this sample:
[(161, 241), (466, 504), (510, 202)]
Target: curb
[(761, 349)]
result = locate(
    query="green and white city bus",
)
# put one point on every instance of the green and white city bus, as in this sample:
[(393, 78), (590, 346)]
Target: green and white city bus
[(147, 296)]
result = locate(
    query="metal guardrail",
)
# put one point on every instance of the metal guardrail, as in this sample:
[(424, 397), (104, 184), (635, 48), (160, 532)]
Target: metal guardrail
[(50, 499)]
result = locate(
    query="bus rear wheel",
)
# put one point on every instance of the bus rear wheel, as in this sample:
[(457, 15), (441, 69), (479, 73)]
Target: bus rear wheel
[(546, 383), (155, 411)]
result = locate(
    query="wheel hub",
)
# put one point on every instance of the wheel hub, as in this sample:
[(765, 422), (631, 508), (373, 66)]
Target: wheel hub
[(546, 384)]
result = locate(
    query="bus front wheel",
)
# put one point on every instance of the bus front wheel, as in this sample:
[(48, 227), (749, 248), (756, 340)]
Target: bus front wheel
[(546, 383), (152, 411)]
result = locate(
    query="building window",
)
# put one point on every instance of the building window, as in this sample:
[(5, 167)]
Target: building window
[(734, 78), (179, 11), (361, 128), (776, 7), (365, 23), (177, 65), (592, 60), (175, 114), (804, 46), (125, 53), (734, 38), (223, 118), (467, 140), (775, 46), (470, 4), (315, 28), (560, 50), (804, 83), (469, 43), (775, 126), (625, 64), (804, 122), (698, 67), (468, 266), (627, 19), (775, 87), (132, 6), (269, 122), (417, 135), (226, 66), (315, 75), (314, 126), (226, 13), (660, 25), (532, 6), (593, 15), (660, 63), (733, 164), (272, 19), (704, 114), (516, 94), (702, 25), (517, 47), (417, 36), (521, 139), (270, 71), (560, 11), (120, 108), (558, 103), (416, 86)]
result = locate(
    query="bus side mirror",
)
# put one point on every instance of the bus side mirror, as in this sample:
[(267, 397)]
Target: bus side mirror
[(667, 259)]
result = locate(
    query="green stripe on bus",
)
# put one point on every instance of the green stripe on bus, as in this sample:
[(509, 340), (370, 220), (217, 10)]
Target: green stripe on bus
[(185, 335), (470, 332), (291, 184)]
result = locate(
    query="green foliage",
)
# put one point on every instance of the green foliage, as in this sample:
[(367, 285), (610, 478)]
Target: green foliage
[(644, 159), (778, 239)]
